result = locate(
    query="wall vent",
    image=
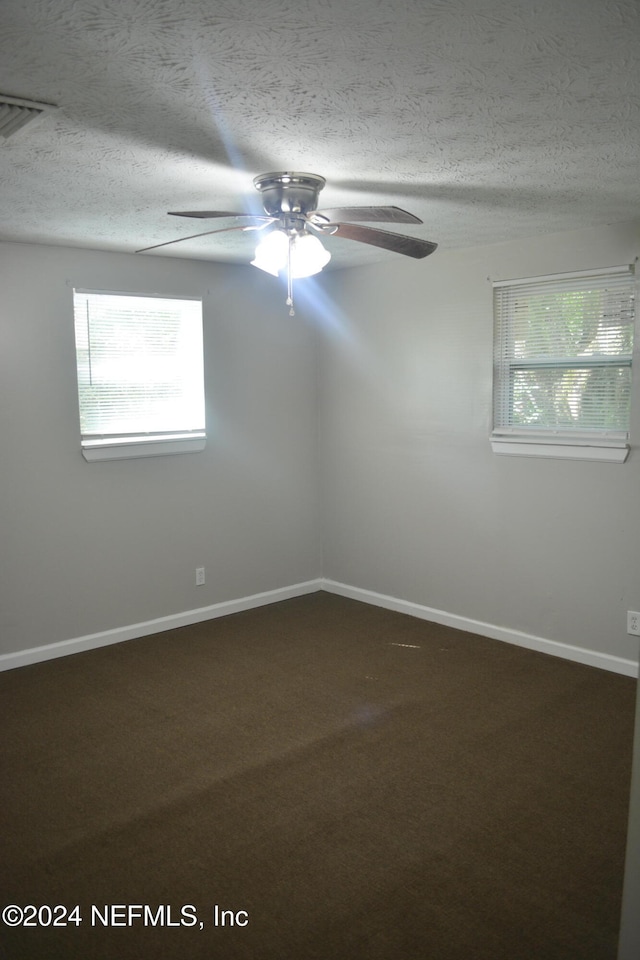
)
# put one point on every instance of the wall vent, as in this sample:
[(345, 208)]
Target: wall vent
[(16, 112)]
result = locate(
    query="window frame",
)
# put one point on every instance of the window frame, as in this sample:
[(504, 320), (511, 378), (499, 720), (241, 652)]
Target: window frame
[(597, 444), (138, 444)]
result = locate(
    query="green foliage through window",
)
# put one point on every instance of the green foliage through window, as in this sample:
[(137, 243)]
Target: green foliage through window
[(563, 353)]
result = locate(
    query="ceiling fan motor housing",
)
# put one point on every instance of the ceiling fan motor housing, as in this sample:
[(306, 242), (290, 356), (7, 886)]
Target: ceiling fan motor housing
[(286, 193)]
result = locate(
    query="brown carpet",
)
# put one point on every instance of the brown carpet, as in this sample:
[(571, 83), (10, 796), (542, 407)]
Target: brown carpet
[(362, 784)]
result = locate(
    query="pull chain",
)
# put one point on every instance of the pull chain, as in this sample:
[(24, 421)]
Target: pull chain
[(292, 312)]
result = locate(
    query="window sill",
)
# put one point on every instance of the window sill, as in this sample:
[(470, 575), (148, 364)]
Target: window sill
[(561, 448), (134, 448)]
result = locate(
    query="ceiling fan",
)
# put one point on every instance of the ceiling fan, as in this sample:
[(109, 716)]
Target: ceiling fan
[(294, 226)]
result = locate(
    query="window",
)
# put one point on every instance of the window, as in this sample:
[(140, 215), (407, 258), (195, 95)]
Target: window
[(562, 375), (140, 375)]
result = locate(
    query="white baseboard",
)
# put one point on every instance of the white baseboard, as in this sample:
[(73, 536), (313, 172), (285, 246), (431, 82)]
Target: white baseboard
[(592, 658), (90, 642)]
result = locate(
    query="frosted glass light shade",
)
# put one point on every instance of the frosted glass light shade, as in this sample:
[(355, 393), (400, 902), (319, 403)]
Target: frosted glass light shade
[(308, 256), (272, 252)]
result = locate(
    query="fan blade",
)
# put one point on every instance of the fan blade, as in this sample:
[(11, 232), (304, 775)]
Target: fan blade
[(409, 246), (193, 236), (368, 214), (211, 214)]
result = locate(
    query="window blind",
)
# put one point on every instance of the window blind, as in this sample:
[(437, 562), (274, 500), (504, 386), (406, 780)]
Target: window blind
[(563, 353), (140, 368)]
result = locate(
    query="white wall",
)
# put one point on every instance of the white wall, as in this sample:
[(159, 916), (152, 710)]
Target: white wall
[(417, 507), (86, 548)]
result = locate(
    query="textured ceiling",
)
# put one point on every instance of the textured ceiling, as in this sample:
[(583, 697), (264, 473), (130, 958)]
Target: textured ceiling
[(489, 119)]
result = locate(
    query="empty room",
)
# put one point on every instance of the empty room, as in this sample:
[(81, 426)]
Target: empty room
[(319, 480)]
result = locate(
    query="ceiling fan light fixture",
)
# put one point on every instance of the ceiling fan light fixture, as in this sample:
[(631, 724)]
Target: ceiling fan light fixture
[(306, 253)]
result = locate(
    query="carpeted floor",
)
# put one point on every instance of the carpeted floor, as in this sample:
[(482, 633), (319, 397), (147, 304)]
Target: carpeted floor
[(341, 780)]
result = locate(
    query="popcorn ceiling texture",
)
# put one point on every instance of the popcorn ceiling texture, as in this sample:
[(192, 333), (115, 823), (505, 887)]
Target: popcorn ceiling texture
[(489, 119)]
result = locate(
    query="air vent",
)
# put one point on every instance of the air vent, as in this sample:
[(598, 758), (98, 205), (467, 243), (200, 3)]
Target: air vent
[(16, 112)]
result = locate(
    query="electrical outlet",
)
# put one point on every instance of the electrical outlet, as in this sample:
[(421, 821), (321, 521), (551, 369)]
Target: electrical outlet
[(200, 577), (633, 623)]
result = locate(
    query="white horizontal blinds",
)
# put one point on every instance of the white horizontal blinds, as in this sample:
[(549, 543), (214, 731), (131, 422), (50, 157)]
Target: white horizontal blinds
[(563, 352), (140, 366)]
